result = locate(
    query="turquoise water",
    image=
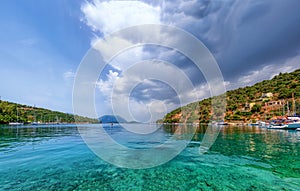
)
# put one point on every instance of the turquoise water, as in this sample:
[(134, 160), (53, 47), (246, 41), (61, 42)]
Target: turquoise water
[(242, 158)]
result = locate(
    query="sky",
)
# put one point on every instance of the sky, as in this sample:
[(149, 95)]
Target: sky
[(44, 42)]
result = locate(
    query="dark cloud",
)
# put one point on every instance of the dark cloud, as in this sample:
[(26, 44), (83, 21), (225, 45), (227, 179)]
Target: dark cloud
[(260, 40), (155, 90), (195, 9), (178, 59), (246, 37), (242, 35), (254, 11)]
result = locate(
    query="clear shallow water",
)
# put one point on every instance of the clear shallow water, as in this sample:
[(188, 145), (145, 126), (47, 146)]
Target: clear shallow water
[(242, 158)]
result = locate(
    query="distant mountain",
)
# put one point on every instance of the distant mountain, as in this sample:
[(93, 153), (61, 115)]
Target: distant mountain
[(111, 119)]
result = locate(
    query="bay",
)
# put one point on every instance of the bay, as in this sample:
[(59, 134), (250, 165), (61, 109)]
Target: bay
[(55, 157)]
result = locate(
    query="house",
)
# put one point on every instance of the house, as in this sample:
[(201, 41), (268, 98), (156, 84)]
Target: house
[(248, 106), (267, 95), (251, 104), (274, 103)]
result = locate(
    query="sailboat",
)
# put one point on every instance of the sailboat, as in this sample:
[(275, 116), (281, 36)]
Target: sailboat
[(290, 123), (16, 123), (295, 120)]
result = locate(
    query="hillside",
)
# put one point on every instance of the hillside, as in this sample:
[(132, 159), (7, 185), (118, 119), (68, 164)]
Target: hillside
[(13, 112), (262, 101)]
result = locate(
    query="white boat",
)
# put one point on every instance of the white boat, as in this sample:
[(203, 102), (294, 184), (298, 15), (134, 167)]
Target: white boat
[(15, 123), (277, 126), (254, 124), (293, 118), (294, 125), (262, 124), (283, 126), (216, 123), (221, 123)]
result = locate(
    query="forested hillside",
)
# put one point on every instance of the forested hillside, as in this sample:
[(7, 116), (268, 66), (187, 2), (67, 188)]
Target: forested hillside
[(12, 112), (279, 96)]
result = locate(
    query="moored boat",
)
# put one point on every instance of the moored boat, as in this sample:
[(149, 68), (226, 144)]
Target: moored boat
[(222, 123), (15, 123), (282, 126), (277, 126), (294, 125), (262, 124)]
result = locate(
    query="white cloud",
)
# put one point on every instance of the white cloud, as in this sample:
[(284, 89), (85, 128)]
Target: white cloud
[(117, 89), (223, 25), (106, 86), (68, 75), (109, 16), (267, 72), (109, 49)]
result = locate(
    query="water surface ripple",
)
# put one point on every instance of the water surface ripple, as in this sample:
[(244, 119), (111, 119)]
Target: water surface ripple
[(56, 158)]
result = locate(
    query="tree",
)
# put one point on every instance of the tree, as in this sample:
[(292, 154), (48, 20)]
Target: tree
[(256, 108)]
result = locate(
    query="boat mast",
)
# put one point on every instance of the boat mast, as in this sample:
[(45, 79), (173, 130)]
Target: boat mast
[(283, 103), (17, 115), (288, 108), (293, 106)]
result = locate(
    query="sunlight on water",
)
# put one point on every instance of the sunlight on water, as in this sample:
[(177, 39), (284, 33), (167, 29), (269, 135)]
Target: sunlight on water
[(242, 158)]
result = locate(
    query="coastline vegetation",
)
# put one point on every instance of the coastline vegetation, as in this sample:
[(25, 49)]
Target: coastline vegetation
[(265, 100), (13, 112)]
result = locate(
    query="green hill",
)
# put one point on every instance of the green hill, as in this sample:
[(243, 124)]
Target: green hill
[(13, 112), (262, 101)]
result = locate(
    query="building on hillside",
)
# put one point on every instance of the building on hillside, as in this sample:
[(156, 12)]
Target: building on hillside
[(248, 106), (267, 95), (274, 104), (252, 104)]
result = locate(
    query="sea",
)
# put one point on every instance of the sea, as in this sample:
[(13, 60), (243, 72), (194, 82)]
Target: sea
[(148, 157)]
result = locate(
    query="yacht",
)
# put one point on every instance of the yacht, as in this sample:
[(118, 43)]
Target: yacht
[(294, 125), (277, 126), (15, 123), (282, 126)]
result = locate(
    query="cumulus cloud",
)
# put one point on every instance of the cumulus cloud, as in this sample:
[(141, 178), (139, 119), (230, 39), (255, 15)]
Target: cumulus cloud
[(148, 94), (106, 86), (145, 85), (251, 40), (109, 16)]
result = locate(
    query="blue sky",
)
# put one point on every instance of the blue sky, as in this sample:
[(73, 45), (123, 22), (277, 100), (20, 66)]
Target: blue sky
[(43, 43)]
